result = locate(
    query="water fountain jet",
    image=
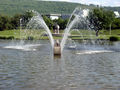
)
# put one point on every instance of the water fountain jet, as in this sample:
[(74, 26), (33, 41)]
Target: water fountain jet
[(37, 22)]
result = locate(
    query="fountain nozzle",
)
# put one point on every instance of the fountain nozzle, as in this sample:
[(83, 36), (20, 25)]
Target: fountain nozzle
[(57, 48)]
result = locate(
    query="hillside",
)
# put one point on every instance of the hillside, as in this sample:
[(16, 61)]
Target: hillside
[(113, 8), (11, 7)]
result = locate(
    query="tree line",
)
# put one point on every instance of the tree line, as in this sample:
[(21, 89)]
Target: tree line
[(61, 22), (9, 23), (103, 19), (99, 19)]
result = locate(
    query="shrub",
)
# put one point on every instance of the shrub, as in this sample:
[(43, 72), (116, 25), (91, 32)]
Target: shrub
[(114, 38), (30, 38), (1, 37), (11, 37)]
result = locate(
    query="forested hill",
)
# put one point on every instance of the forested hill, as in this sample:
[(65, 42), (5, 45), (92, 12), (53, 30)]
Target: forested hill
[(11, 7), (113, 8)]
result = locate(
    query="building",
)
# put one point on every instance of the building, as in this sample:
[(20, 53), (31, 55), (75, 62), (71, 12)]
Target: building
[(57, 16), (117, 15), (65, 16), (54, 16)]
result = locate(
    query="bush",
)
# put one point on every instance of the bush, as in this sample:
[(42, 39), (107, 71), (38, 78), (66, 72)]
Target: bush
[(30, 38), (10, 37), (114, 38), (1, 37)]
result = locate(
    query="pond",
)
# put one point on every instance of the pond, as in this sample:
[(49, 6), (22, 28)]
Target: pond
[(81, 67)]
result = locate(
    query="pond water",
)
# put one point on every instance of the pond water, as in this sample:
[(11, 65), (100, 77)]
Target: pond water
[(33, 66)]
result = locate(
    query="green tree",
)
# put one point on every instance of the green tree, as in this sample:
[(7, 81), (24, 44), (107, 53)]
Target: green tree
[(61, 22), (100, 19), (15, 21), (25, 18), (5, 22), (116, 23), (48, 21)]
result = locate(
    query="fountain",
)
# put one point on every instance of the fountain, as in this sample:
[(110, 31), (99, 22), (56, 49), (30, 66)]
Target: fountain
[(38, 24), (36, 29), (57, 48), (78, 21), (77, 18)]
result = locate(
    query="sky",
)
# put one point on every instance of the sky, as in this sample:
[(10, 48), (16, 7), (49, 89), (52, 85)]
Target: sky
[(96, 2)]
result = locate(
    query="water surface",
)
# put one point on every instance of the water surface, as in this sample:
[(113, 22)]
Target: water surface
[(33, 67)]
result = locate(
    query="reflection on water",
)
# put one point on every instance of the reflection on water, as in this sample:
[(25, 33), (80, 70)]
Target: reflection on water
[(39, 70), (57, 57)]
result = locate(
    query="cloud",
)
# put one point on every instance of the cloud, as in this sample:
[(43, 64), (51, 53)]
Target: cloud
[(116, 3)]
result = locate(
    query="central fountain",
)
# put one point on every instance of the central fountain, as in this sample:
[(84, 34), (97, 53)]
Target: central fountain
[(77, 18)]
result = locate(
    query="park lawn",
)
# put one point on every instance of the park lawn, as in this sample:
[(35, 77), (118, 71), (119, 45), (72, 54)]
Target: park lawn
[(8, 33), (81, 34), (20, 34), (17, 34), (107, 32), (88, 34), (102, 37)]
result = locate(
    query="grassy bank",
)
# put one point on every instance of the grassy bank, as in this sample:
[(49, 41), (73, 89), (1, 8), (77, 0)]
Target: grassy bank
[(39, 34)]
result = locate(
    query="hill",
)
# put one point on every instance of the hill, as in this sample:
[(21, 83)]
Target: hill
[(113, 8), (11, 7)]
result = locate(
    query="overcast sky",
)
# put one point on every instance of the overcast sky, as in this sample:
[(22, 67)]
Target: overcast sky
[(98, 2)]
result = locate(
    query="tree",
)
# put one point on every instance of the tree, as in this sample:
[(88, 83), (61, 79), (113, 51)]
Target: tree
[(15, 21), (4, 22), (116, 23), (61, 22), (26, 17), (48, 21), (100, 19)]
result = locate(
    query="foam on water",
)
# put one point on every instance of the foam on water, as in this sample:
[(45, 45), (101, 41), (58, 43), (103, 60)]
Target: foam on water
[(93, 51), (27, 47), (72, 46)]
